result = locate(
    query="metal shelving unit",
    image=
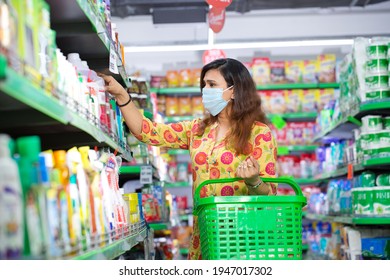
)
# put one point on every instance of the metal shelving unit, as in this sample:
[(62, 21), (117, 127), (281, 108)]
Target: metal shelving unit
[(54, 122), (297, 86), (80, 29), (350, 220)]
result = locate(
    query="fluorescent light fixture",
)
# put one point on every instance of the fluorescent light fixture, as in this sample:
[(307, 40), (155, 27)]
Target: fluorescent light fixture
[(243, 45)]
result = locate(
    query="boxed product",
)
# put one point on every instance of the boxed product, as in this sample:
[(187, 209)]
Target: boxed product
[(310, 100), (309, 71), (325, 96), (294, 71), (185, 78), (185, 106), (277, 70), (294, 100), (171, 106), (378, 248), (276, 101), (326, 68), (173, 78), (265, 101), (158, 82), (261, 70), (195, 73), (197, 106)]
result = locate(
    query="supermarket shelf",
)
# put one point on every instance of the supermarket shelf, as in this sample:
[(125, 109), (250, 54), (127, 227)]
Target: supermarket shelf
[(383, 162), (305, 247), (301, 116), (115, 249), (339, 172), (292, 149), (159, 225), (178, 185), (297, 86), (196, 90), (373, 163), (80, 29), (49, 118), (178, 119), (174, 152), (178, 90), (343, 128), (307, 181), (130, 169), (350, 220)]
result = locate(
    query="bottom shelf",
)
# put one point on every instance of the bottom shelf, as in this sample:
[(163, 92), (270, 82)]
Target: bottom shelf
[(350, 220)]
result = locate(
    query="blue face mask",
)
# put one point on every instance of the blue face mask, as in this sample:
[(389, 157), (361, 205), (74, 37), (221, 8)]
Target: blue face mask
[(213, 100)]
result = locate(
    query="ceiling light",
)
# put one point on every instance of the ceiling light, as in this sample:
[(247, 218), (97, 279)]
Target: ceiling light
[(243, 45)]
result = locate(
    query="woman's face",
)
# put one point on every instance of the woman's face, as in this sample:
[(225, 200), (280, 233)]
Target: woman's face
[(214, 79)]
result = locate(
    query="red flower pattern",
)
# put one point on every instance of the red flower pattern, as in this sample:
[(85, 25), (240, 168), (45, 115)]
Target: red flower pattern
[(196, 144), (145, 126), (169, 137), (227, 158), (200, 158), (270, 168), (177, 127), (214, 173), (257, 152), (227, 191)]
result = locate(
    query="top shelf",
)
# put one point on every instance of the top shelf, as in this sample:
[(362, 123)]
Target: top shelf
[(297, 86), (48, 118), (196, 90), (80, 30)]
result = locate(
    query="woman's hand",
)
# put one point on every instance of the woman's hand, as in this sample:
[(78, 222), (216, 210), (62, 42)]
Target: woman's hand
[(249, 170), (115, 89)]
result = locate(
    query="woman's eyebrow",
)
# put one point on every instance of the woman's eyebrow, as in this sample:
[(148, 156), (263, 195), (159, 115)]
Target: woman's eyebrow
[(209, 81)]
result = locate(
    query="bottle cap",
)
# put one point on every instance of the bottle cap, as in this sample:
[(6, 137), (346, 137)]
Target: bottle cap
[(29, 147)]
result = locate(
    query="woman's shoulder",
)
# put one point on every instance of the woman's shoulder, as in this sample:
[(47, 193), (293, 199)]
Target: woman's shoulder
[(261, 125)]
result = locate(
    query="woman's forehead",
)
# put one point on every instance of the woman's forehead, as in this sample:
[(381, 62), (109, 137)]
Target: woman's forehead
[(213, 74)]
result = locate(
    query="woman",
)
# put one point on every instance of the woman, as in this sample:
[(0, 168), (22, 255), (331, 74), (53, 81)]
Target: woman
[(233, 141)]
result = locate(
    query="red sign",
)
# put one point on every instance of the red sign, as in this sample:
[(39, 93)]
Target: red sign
[(219, 3), (216, 18), (211, 55)]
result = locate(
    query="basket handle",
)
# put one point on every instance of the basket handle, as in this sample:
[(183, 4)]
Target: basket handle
[(280, 180)]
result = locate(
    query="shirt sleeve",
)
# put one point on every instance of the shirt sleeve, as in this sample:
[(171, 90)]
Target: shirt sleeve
[(265, 152), (173, 135)]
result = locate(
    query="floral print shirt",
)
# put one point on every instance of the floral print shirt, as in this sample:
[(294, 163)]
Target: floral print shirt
[(213, 159)]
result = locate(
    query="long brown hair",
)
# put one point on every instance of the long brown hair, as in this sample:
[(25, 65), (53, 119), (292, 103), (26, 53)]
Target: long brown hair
[(244, 109)]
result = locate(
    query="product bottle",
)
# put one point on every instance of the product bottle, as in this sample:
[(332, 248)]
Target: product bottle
[(62, 173), (11, 204), (28, 149)]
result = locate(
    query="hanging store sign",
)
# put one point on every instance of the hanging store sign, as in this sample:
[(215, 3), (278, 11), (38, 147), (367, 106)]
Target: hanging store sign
[(211, 55), (216, 19), (219, 3)]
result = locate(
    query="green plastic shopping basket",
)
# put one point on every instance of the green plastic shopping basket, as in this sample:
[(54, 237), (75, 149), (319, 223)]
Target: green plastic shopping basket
[(250, 227)]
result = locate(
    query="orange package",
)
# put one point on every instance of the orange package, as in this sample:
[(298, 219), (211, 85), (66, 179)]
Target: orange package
[(185, 106), (197, 106), (173, 78), (171, 106), (185, 78), (196, 77)]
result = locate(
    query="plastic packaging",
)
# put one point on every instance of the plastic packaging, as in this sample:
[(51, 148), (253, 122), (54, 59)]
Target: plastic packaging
[(11, 204)]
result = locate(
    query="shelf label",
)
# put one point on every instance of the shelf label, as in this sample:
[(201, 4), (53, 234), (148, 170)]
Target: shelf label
[(350, 171), (278, 122), (113, 66), (146, 176)]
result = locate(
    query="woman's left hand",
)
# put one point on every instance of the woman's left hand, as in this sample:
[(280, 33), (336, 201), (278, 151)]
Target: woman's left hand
[(249, 170)]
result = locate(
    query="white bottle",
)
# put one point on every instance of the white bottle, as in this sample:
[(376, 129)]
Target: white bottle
[(11, 204)]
